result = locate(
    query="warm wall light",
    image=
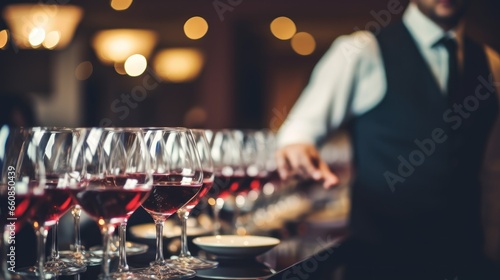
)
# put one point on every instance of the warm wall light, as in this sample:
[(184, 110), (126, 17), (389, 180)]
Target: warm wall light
[(303, 43), (283, 28), (195, 28), (31, 24), (116, 45), (178, 64)]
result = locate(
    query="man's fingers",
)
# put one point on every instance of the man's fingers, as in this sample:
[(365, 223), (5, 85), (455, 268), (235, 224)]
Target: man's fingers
[(295, 164), (309, 167), (303, 160), (329, 178), (282, 165)]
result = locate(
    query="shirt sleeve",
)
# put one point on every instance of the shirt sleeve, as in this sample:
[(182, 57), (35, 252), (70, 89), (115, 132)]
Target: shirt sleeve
[(328, 98)]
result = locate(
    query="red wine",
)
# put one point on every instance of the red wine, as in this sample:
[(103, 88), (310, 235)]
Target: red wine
[(208, 181), (168, 195), (107, 199), (227, 185), (207, 185), (51, 205), (255, 183)]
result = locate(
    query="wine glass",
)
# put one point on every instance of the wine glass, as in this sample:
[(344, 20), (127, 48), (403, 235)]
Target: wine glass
[(258, 150), (117, 171), (77, 253), (253, 161), (118, 246), (185, 259), (228, 171), (177, 178), (22, 181), (55, 146)]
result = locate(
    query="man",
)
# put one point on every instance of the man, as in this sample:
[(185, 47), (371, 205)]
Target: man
[(419, 101)]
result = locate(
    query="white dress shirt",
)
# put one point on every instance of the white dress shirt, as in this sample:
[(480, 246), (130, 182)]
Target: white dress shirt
[(353, 69)]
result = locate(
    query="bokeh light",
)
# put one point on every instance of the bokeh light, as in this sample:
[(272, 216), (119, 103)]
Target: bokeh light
[(195, 28), (84, 70), (135, 65), (51, 40), (120, 68), (121, 5), (36, 36), (4, 38), (303, 43), (283, 28)]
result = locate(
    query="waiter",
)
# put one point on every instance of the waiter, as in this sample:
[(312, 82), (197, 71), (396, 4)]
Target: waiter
[(419, 101)]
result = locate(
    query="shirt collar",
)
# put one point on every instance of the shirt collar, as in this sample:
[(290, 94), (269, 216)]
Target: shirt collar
[(426, 32)]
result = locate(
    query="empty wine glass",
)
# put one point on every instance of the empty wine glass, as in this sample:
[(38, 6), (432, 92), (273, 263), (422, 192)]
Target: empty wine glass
[(118, 179), (185, 259), (177, 178), (22, 181)]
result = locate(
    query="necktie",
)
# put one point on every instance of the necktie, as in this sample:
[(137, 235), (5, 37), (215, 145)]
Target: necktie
[(453, 86)]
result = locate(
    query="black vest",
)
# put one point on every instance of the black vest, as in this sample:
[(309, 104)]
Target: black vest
[(416, 157)]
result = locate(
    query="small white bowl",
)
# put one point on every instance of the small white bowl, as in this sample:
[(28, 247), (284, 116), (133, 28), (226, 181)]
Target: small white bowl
[(235, 245)]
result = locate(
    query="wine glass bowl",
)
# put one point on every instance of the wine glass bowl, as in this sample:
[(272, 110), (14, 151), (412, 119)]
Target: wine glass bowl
[(118, 178), (228, 171), (22, 184), (177, 178), (185, 259), (55, 146)]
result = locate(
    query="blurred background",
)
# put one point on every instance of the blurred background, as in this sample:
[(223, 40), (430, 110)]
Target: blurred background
[(208, 64), (235, 72)]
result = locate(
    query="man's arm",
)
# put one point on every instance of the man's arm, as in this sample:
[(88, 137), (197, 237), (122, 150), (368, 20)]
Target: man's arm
[(492, 156), (491, 173), (325, 103)]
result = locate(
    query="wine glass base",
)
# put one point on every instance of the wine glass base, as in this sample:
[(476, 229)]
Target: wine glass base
[(129, 275), (165, 272), (191, 262), (131, 249), (83, 257), (33, 272), (10, 276), (60, 267)]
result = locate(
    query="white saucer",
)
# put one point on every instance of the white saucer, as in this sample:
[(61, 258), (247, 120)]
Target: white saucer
[(236, 246)]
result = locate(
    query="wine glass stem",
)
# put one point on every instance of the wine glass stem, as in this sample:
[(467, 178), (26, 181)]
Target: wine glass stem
[(54, 254), (217, 225), (183, 216), (122, 257), (236, 216), (159, 242), (77, 210), (107, 231), (41, 237)]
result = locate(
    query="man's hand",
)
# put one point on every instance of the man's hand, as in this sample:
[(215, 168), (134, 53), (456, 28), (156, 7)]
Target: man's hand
[(303, 160)]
